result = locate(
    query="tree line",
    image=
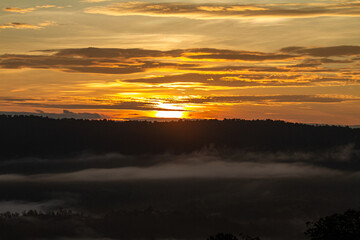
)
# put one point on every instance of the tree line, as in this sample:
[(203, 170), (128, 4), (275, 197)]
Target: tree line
[(34, 136), (151, 224)]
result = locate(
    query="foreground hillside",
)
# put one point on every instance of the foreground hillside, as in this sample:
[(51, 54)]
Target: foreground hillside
[(173, 180)]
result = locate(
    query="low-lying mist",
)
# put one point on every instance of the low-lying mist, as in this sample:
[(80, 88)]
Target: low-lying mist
[(266, 194)]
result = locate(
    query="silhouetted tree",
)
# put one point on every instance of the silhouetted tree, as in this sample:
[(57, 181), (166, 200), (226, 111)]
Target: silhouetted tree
[(344, 226), (223, 236), (229, 236), (247, 237)]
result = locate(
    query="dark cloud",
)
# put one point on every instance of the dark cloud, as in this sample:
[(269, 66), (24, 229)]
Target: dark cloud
[(32, 102), (313, 63), (224, 54), (195, 53), (92, 60), (244, 56), (12, 99), (190, 65), (144, 106), (92, 52), (242, 80), (269, 98), (105, 70), (230, 69), (64, 114), (324, 51), (123, 61), (34, 61)]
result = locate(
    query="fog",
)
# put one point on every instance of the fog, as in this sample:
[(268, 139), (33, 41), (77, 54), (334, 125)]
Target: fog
[(184, 170), (271, 195)]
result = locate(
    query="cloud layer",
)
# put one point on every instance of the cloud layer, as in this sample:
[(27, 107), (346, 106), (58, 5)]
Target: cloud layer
[(185, 80), (290, 66), (285, 10)]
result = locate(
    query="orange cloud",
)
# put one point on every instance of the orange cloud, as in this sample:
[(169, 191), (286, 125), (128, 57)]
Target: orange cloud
[(268, 98), (15, 25), (190, 10), (27, 10), (201, 66), (18, 10)]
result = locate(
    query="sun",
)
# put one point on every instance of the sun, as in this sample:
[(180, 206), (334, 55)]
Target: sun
[(171, 110), (169, 114)]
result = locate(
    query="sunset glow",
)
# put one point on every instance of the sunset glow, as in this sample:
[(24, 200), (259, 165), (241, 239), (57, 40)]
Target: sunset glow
[(284, 60), (169, 114)]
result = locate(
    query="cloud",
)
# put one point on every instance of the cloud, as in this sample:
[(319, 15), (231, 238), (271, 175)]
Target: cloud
[(324, 51), (46, 6), (203, 11), (92, 52), (16, 25), (241, 80), (48, 23), (12, 99), (145, 106), (209, 66), (195, 53), (119, 105), (237, 55), (35, 61), (27, 10), (234, 68), (314, 63), (18, 10), (269, 98), (64, 114), (92, 60)]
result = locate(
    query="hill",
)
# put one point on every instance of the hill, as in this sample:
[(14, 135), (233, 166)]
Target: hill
[(24, 136)]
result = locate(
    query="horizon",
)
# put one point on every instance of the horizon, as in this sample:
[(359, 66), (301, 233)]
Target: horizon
[(85, 116)]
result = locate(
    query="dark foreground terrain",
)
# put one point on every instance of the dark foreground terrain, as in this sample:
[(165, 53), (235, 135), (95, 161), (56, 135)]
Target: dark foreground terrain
[(172, 180), (25, 136)]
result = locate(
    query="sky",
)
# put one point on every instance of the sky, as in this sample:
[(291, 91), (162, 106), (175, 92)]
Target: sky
[(296, 61)]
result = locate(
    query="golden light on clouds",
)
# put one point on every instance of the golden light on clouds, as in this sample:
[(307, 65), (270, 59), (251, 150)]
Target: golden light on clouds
[(229, 10), (291, 61)]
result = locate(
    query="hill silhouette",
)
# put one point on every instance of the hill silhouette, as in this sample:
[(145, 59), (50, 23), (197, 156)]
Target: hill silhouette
[(24, 136)]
